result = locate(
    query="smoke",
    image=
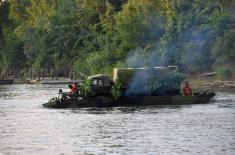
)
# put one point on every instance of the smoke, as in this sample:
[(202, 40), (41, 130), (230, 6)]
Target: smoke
[(146, 80), (186, 42), (191, 49), (154, 81), (196, 52), (138, 84), (191, 52), (142, 58)]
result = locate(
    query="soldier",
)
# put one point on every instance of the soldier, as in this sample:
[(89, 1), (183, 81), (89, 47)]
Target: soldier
[(187, 90), (74, 88)]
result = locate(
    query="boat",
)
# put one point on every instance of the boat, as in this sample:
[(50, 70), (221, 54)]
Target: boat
[(133, 92), (104, 102)]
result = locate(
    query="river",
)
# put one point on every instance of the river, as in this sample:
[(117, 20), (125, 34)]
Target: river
[(26, 127)]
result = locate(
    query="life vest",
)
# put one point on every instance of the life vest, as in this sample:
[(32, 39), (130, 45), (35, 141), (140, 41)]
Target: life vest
[(74, 89), (187, 91)]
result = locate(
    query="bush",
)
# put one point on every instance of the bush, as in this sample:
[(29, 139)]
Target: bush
[(224, 72), (116, 89), (86, 88)]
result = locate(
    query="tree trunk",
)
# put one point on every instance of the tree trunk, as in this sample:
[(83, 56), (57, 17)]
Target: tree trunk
[(1, 37)]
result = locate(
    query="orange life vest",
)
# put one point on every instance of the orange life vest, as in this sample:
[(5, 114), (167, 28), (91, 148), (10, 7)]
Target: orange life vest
[(74, 89), (187, 91)]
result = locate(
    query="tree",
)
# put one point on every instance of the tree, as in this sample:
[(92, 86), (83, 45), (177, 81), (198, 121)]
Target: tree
[(95, 36), (12, 53), (18, 11), (4, 19)]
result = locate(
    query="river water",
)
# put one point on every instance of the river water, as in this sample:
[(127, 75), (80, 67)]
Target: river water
[(28, 128)]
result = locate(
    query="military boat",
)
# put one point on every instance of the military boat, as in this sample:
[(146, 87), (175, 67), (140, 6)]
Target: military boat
[(197, 98), (137, 89)]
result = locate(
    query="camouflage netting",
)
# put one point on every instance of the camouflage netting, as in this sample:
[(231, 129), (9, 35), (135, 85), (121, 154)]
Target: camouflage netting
[(149, 81)]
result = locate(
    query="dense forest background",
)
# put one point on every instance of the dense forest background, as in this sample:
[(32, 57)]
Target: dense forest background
[(93, 36)]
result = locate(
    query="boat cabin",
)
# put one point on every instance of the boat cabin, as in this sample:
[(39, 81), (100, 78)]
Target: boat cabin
[(101, 85)]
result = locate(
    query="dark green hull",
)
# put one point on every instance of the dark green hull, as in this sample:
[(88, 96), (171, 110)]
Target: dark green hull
[(130, 101), (6, 81)]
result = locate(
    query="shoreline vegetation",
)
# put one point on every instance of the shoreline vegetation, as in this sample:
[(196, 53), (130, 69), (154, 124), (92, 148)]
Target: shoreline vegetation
[(197, 82), (40, 39)]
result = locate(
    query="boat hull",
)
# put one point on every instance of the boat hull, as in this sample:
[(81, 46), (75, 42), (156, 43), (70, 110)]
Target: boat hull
[(130, 101)]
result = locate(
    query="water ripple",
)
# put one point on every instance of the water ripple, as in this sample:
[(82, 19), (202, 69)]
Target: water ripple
[(28, 128)]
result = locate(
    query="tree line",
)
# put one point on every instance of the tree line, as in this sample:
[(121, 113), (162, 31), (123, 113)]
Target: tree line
[(93, 36)]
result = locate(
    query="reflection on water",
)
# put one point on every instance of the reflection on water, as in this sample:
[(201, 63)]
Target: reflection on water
[(28, 128)]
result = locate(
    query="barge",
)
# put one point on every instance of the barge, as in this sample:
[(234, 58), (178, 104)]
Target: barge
[(132, 87), (103, 102)]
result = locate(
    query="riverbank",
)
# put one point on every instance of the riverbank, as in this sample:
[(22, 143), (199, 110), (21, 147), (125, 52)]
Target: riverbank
[(212, 84), (54, 80)]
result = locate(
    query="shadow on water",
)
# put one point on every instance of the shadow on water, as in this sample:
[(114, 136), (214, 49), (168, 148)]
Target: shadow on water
[(128, 110)]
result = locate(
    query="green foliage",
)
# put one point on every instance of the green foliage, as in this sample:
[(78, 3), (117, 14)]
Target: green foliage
[(155, 82), (116, 89), (86, 88), (168, 83), (224, 72), (4, 20), (224, 49), (94, 36), (139, 24), (4, 13), (12, 53), (18, 11)]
